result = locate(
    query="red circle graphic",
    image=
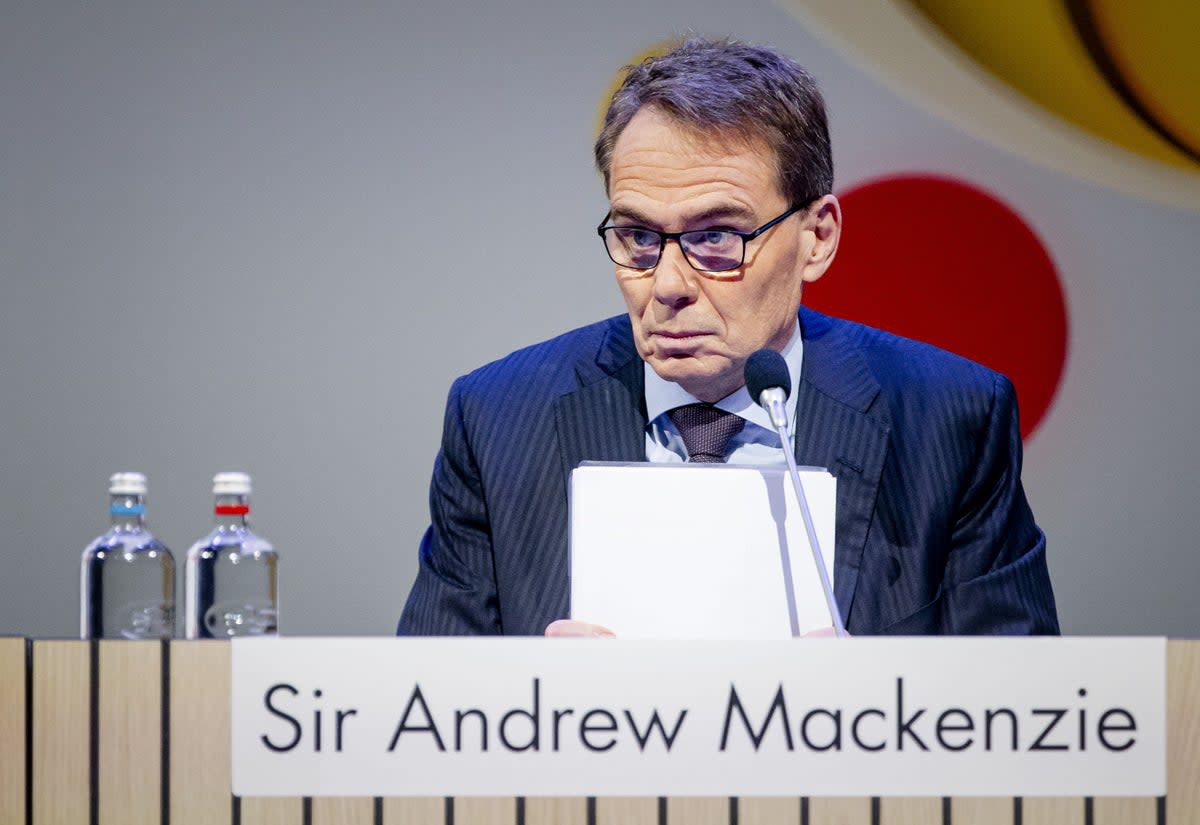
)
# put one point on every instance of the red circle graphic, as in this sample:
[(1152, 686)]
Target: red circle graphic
[(943, 261)]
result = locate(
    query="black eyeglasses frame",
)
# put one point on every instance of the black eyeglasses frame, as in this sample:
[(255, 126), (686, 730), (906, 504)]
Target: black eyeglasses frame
[(663, 237)]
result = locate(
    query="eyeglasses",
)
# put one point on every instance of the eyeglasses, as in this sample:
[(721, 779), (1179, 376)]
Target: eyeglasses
[(708, 250)]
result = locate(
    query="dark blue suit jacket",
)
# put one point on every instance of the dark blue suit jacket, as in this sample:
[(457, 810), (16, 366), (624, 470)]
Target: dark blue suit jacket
[(933, 533)]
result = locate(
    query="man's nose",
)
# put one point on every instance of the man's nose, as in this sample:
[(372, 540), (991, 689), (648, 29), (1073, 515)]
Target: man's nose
[(674, 278)]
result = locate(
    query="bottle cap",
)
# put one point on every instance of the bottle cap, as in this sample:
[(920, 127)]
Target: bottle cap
[(231, 484), (127, 484)]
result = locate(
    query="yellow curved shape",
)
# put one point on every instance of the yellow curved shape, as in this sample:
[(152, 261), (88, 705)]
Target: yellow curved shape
[(1155, 45), (1034, 46), (657, 50), (908, 53)]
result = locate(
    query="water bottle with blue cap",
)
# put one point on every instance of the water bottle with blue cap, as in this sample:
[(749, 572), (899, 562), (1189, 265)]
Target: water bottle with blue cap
[(127, 576)]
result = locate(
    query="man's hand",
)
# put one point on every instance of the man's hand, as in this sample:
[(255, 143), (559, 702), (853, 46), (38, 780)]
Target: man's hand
[(571, 627)]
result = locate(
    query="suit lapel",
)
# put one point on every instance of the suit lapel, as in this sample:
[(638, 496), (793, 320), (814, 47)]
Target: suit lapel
[(839, 427), (605, 419)]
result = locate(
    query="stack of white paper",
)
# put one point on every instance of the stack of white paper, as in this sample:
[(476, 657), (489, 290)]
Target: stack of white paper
[(686, 551)]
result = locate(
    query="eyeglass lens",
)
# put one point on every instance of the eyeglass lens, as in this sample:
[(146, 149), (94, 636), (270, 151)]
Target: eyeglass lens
[(711, 250)]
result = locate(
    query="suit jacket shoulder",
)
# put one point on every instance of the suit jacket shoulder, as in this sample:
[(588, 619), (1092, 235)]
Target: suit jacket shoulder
[(903, 367), (537, 374), (921, 394)]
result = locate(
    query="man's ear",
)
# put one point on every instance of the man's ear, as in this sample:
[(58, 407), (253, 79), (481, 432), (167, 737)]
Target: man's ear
[(824, 221)]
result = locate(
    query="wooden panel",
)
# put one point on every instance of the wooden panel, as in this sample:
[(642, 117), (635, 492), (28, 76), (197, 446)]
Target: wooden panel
[(698, 810), (556, 810), (343, 810), (12, 730), (1183, 731), (485, 810), (260, 810), (128, 682), (769, 810), (130, 730), (834, 810), (626, 810), (417, 810), (1052, 810), (914, 810), (201, 791), (1117, 810), (61, 720), (981, 810)]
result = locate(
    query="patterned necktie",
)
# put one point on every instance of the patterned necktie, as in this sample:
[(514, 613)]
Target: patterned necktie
[(706, 431)]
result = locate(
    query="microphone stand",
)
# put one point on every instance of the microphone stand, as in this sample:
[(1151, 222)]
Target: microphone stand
[(774, 399)]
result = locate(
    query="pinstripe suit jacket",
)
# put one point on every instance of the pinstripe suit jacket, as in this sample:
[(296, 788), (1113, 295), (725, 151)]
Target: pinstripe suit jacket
[(933, 533)]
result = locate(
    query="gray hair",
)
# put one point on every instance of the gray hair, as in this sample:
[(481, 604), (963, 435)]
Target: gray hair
[(750, 92)]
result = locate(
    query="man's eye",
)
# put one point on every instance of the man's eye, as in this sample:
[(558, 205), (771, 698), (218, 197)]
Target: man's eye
[(643, 238), (710, 239)]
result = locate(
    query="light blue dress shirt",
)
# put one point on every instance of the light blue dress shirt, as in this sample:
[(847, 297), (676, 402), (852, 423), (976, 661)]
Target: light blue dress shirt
[(757, 443)]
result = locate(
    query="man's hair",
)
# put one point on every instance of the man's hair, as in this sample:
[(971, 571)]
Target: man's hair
[(732, 89)]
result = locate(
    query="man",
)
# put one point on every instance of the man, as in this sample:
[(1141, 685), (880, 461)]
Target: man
[(717, 164)]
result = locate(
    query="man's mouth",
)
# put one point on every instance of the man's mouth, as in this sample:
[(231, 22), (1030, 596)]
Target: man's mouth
[(679, 335)]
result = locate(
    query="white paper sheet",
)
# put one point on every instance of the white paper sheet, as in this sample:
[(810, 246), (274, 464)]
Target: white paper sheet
[(687, 551)]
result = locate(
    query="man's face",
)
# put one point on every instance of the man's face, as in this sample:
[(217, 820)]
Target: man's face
[(696, 328)]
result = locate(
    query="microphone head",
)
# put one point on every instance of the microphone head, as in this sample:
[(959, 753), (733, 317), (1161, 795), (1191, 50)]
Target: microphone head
[(766, 369)]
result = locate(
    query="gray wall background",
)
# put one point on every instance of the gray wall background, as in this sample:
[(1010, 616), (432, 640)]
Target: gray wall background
[(267, 236)]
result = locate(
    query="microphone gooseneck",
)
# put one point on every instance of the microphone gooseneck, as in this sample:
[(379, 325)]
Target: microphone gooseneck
[(769, 384)]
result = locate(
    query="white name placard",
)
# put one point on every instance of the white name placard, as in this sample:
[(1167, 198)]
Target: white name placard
[(600, 717)]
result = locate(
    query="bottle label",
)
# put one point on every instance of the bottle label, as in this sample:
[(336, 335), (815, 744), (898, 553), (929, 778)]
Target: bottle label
[(240, 618), (231, 509), (123, 509)]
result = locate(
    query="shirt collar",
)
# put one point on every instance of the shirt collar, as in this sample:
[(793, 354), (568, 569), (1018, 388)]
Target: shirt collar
[(663, 395)]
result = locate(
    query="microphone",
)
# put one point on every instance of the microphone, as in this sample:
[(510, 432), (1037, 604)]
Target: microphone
[(769, 384)]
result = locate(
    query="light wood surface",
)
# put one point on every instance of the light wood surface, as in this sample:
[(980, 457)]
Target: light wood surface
[(1183, 732), (12, 730), (769, 810), (1052, 810), (982, 810), (698, 810), (835, 810), (626, 810), (1115, 810), (485, 810), (61, 720), (415, 810), (200, 767), (343, 810), (914, 810), (259, 810), (130, 733), (556, 810)]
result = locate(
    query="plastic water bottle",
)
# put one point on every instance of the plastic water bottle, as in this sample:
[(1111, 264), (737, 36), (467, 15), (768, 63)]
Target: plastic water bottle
[(127, 577), (231, 582)]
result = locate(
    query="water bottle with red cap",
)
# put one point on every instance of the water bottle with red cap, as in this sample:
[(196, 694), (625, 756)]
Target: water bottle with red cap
[(231, 577)]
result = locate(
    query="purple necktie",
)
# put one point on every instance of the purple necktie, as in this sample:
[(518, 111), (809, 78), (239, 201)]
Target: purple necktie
[(706, 431)]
